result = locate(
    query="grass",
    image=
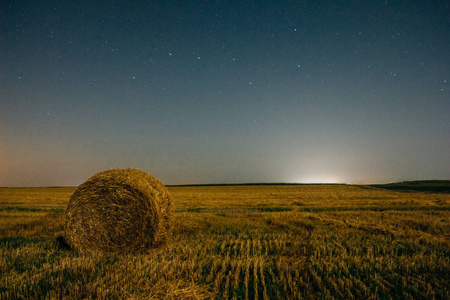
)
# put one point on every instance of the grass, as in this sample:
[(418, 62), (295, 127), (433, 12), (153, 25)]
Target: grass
[(242, 242)]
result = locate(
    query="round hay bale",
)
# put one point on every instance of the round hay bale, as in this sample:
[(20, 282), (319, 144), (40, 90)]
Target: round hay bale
[(121, 211)]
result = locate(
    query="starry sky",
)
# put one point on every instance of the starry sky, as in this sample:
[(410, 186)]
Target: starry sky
[(225, 91)]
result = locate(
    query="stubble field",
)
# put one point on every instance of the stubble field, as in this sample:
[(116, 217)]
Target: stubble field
[(242, 242)]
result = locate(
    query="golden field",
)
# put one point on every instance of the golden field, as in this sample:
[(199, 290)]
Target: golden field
[(242, 242)]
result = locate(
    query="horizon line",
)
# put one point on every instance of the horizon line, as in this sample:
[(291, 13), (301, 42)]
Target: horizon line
[(255, 184)]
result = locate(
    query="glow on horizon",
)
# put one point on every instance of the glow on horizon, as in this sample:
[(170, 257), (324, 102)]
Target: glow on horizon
[(318, 179)]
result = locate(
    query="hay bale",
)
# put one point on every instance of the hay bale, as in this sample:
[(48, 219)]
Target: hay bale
[(120, 211)]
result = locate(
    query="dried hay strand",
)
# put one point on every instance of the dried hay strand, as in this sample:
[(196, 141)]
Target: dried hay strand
[(119, 211), (171, 290)]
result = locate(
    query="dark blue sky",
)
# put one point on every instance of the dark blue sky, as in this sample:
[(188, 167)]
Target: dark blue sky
[(225, 91)]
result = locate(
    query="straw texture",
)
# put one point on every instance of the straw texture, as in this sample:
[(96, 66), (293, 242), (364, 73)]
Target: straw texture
[(121, 211)]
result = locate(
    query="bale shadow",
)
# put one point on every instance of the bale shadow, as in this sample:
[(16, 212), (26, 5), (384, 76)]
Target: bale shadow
[(62, 243)]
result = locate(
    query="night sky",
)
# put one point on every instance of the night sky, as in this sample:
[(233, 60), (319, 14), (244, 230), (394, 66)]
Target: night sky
[(225, 91)]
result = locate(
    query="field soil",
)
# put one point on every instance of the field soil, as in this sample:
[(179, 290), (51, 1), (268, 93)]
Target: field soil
[(242, 242)]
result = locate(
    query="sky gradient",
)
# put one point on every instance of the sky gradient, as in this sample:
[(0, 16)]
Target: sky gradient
[(225, 91)]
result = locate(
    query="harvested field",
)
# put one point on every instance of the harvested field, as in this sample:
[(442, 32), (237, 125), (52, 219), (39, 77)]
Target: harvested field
[(241, 242)]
